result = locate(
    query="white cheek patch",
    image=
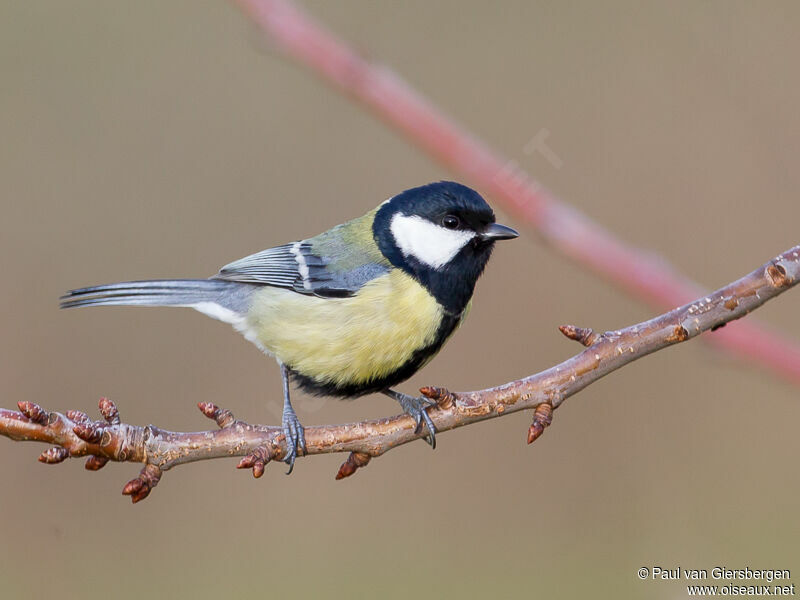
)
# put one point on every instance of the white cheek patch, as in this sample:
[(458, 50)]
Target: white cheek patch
[(429, 243)]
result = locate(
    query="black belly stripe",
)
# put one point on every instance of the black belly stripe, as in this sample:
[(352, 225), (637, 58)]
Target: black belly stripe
[(406, 370)]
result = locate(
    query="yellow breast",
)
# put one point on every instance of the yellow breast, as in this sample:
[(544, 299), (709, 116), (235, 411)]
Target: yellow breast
[(346, 341)]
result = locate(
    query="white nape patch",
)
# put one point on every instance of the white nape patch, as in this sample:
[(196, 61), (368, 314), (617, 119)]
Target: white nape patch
[(427, 242), (301, 262)]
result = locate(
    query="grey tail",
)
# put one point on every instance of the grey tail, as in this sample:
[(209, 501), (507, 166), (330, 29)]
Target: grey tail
[(168, 292)]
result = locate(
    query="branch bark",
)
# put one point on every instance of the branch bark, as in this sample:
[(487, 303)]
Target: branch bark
[(74, 434), (572, 233)]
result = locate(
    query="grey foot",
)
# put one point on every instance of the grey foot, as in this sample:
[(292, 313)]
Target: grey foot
[(295, 438), (416, 408)]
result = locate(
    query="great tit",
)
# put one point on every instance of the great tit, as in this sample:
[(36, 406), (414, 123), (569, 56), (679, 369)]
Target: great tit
[(352, 311)]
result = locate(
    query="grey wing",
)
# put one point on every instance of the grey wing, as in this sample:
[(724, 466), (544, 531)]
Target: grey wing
[(276, 266), (294, 266)]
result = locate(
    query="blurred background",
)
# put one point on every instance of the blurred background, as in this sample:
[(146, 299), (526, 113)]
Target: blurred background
[(150, 139)]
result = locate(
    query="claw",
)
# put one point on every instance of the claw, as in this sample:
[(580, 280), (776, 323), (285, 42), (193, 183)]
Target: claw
[(417, 408), (295, 438), (431, 439)]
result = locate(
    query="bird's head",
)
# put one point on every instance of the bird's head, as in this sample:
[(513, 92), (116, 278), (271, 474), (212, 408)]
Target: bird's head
[(441, 233)]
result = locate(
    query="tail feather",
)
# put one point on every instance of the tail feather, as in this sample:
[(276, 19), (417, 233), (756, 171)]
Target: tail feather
[(168, 292)]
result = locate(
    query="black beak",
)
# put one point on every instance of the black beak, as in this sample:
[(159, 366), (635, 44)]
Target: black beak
[(495, 231)]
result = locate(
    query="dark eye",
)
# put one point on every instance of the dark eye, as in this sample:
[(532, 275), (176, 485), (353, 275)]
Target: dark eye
[(451, 222)]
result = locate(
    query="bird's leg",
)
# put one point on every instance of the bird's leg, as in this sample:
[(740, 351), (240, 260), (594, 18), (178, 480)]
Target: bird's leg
[(292, 429), (416, 408)]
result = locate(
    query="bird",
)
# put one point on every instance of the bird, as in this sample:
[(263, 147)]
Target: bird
[(355, 310)]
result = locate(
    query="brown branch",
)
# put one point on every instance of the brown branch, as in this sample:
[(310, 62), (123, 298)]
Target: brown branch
[(74, 434), (572, 233)]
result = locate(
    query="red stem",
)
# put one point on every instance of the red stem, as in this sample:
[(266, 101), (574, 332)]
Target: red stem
[(571, 232)]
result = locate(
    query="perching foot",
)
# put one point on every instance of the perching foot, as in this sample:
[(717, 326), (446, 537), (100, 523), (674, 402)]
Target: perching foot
[(416, 407), (295, 437)]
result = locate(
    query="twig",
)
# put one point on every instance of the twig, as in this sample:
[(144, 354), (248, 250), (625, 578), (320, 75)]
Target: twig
[(572, 233), (74, 434)]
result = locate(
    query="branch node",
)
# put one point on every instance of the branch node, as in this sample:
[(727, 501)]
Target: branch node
[(777, 275), (109, 411), (141, 486), (355, 461), (54, 455), (443, 397), (77, 416), (731, 303), (584, 335), (35, 413), (256, 460), (91, 432), (222, 416), (95, 463), (542, 418), (679, 334)]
